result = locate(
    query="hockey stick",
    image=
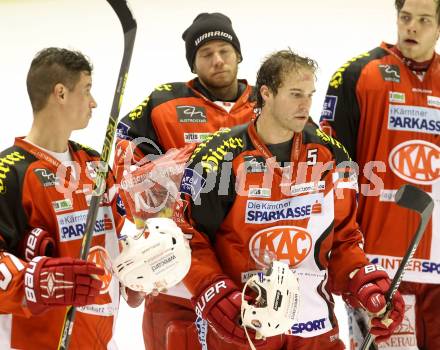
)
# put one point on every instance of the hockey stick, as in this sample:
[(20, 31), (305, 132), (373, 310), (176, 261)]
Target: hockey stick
[(412, 198), (362, 324), (129, 27)]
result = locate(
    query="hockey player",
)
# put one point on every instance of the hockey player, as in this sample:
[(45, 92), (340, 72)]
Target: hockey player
[(178, 114), (45, 190), (278, 185), (383, 105)]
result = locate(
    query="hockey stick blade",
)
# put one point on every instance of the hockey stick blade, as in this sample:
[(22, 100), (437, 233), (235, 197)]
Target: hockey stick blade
[(415, 199), (129, 26)]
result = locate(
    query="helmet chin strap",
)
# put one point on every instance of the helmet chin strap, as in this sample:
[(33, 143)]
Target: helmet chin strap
[(251, 344)]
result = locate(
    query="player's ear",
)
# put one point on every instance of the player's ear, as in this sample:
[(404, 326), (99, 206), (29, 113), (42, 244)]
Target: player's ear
[(59, 92), (265, 92)]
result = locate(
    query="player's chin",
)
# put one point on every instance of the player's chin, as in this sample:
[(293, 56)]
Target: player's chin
[(221, 80), (84, 124), (299, 123)]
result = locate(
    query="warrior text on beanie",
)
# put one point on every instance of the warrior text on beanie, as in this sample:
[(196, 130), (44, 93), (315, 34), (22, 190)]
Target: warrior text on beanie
[(206, 27)]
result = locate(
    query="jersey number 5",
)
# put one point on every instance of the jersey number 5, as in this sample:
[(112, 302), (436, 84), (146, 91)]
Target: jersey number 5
[(312, 156)]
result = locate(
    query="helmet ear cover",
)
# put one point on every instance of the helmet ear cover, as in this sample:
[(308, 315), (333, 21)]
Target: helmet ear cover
[(156, 261)]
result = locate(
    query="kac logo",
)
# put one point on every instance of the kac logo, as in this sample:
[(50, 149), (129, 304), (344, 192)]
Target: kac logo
[(416, 161), (291, 244)]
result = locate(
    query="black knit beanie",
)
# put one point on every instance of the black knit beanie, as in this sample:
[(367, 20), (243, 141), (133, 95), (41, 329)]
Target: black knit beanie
[(206, 27)]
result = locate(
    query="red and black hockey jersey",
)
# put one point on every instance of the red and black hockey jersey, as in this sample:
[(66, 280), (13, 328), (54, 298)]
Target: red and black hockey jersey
[(388, 117), (240, 206), (37, 191), (176, 114)]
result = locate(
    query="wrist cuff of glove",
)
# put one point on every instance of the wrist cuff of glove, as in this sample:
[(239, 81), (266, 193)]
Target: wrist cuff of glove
[(219, 289), (33, 303), (38, 242)]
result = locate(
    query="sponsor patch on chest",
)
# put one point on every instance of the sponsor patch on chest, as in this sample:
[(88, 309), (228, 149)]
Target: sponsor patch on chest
[(390, 72), (195, 137), (259, 192), (433, 101), (62, 205), (46, 177), (414, 118), (397, 97), (72, 225), (297, 208), (307, 188), (255, 164), (191, 114)]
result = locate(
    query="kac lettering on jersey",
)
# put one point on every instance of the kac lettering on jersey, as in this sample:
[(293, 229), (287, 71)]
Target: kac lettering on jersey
[(72, 226), (291, 244), (297, 208), (416, 161), (309, 326), (414, 118)]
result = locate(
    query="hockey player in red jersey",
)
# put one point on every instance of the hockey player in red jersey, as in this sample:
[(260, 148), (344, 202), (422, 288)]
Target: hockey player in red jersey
[(179, 114), (383, 105), (282, 186), (45, 190)]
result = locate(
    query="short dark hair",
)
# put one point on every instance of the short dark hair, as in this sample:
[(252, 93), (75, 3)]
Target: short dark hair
[(400, 3), (52, 66), (276, 66)]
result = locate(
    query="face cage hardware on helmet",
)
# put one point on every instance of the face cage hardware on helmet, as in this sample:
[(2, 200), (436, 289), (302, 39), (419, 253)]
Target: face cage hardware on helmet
[(277, 304)]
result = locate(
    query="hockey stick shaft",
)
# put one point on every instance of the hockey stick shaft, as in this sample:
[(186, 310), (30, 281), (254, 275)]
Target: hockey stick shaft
[(415, 199), (362, 323), (129, 27)]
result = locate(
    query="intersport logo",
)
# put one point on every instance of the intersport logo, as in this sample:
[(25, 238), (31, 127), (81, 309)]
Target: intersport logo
[(290, 244), (416, 161)]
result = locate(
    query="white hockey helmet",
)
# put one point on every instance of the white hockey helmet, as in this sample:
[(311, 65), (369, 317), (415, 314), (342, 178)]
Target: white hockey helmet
[(156, 262), (277, 304)]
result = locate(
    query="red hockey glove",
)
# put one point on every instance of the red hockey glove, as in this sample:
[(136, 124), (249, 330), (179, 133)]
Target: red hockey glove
[(368, 287), (38, 242), (60, 282), (220, 305)]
